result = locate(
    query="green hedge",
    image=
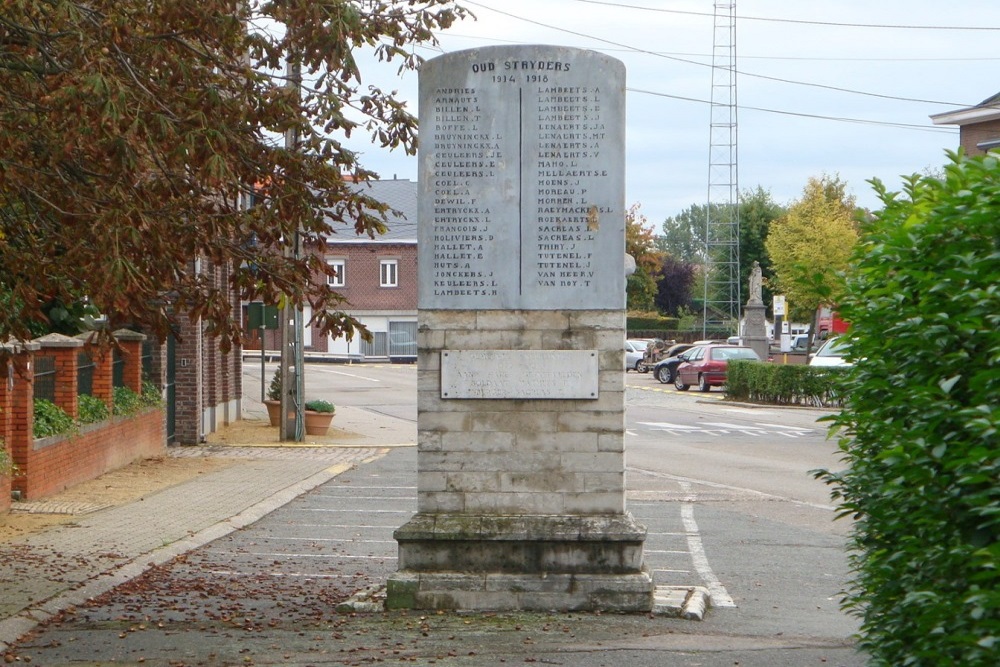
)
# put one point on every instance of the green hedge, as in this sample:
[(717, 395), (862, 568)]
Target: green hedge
[(644, 323), (920, 428), (781, 384)]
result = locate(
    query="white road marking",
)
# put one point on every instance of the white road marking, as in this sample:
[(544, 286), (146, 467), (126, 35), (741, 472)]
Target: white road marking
[(787, 428), (350, 375), (720, 596), (725, 428), (678, 427), (740, 489)]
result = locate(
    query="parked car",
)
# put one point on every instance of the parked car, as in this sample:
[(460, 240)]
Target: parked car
[(664, 369), (831, 353), (635, 349), (705, 366)]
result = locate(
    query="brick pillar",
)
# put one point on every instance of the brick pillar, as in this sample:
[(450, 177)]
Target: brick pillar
[(64, 350), (6, 424), (104, 365), (188, 383), (22, 412), (131, 346)]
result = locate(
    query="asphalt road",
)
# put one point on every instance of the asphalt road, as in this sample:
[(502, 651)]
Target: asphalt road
[(724, 492)]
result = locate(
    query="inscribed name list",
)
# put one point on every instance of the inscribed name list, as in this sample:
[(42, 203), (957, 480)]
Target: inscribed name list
[(521, 170)]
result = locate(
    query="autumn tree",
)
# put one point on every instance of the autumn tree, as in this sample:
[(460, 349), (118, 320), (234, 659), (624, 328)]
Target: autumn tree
[(640, 243), (133, 134), (811, 245)]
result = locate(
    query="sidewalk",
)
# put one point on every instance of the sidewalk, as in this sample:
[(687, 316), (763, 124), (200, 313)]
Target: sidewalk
[(45, 572)]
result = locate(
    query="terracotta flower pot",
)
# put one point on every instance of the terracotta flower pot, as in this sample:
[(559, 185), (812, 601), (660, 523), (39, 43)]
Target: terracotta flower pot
[(274, 412), (317, 423)]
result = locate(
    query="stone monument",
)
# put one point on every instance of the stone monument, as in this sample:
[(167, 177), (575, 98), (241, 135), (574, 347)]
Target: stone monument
[(755, 325), (521, 462)]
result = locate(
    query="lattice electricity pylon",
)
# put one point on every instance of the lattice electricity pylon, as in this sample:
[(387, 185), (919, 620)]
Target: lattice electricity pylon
[(722, 221)]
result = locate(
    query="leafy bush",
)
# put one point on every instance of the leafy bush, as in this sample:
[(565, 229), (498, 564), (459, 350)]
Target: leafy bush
[(126, 402), (319, 406), (274, 389), (92, 410), (782, 384), (920, 431), (50, 419), (650, 323), (151, 395)]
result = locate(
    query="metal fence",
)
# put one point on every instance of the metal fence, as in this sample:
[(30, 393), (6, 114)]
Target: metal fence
[(45, 377), (85, 374)]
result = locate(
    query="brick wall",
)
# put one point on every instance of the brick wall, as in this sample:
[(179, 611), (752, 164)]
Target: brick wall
[(362, 288), (53, 464), (975, 133)]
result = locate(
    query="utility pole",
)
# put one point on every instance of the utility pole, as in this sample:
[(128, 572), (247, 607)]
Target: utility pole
[(292, 358)]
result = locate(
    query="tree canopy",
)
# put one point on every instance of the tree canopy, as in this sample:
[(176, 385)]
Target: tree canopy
[(133, 134), (640, 243), (811, 245)]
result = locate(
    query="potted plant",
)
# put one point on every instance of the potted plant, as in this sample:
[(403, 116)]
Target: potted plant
[(273, 400), (318, 416)]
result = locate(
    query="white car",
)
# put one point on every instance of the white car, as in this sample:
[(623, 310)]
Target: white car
[(831, 353), (634, 351)]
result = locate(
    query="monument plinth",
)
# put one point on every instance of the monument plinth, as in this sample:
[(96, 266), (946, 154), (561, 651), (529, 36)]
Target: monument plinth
[(521, 415)]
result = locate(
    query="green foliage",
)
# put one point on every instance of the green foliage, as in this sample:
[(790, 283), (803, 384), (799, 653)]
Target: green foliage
[(127, 402), (319, 406), (810, 247), (151, 395), (6, 464), (92, 410), (134, 133), (274, 388), (650, 322), (920, 431), (50, 419), (784, 384), (640, 243)]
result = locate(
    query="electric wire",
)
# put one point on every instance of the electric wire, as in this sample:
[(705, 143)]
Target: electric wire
[(886, 26), (701, 64)]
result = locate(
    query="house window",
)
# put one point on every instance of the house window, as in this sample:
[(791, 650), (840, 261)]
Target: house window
[(340, 266), (389, 273)]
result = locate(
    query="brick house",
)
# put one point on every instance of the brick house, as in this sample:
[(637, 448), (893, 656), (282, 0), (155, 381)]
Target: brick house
[(979, 126), (378, 277)]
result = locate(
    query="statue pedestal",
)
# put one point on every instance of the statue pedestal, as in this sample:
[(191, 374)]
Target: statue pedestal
[(755, 329), (530, 563)]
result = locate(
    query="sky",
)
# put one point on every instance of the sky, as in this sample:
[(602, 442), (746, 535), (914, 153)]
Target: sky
[(825, 87)]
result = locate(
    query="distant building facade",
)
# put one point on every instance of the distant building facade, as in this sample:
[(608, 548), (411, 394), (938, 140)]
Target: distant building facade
[(378, 279), (979, 126)]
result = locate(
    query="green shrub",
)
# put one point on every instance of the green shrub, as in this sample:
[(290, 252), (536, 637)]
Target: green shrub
[(126, 402), (50, 419), (782, 384), (920, 430), (319, 406), (92, 410), (650, 323), (151, 396)]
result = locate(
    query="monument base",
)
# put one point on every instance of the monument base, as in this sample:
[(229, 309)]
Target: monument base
[(530, 563), (755, 330)]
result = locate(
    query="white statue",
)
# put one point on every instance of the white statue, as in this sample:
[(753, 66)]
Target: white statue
[(756, 284)]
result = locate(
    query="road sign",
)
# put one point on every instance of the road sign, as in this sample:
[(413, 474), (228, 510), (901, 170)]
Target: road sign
[(779, 305)]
